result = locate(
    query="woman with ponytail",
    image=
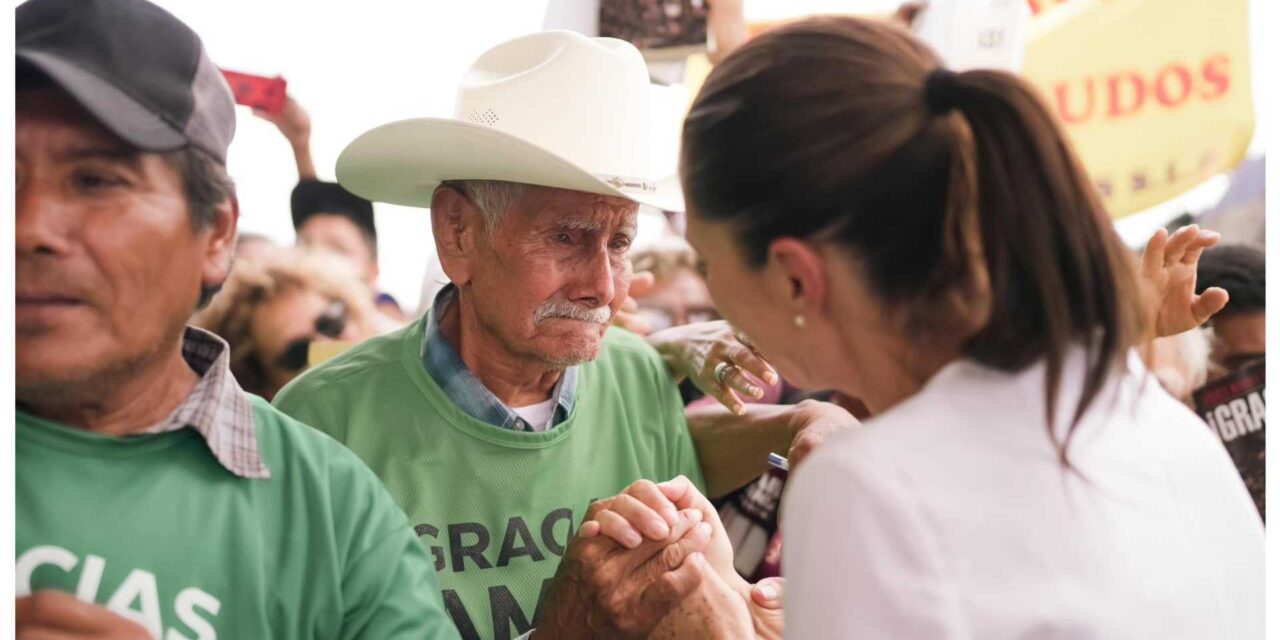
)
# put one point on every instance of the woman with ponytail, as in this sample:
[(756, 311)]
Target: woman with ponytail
[(928, 242)]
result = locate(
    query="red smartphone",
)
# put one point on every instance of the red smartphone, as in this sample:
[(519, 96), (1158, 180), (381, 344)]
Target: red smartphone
[(259, 92)]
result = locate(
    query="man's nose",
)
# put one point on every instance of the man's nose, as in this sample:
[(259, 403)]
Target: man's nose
[(594, 279), (39, 220)]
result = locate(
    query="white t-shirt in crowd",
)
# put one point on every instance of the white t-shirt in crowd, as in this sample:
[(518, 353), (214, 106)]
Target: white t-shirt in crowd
[(537, 415), (950, 516)]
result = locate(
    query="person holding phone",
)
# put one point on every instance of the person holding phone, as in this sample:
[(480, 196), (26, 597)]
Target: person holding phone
[(327, 216), (928, 242)]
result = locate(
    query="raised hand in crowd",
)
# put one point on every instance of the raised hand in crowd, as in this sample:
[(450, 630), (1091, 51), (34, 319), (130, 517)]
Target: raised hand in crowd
[(295, 124), (726, 28), (1169, 281), (58, 615)]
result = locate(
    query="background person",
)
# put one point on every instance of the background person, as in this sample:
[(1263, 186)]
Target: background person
[(327, 216), (274, 307), (1240, 329), (679, 295), (936, 250), (1234, 400)]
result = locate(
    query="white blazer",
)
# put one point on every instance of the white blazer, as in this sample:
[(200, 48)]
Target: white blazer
[(949, 516)]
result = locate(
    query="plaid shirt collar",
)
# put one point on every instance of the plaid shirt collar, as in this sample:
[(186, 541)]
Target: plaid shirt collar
[(217, 407), (446, 367)]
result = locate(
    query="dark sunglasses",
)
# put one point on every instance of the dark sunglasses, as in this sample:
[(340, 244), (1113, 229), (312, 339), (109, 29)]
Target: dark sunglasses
[(330, 323)]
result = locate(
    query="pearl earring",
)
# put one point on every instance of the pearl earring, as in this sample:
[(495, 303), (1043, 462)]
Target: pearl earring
[(800, 320)]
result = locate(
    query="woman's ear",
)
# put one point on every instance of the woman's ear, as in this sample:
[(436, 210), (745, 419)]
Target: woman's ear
[(796, 276)]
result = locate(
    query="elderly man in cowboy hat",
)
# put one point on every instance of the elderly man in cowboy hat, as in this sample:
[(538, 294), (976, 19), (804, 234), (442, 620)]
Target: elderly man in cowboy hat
[(154, 497), (500, 416)]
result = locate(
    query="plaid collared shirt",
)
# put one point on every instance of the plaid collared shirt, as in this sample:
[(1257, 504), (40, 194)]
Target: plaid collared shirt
[(446, 367), (217, 407)]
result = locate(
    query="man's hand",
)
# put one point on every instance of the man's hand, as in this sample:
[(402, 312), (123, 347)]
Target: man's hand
[(813, 422), (605, 590), (55, 615), (694, 351), (1168, 281), (624, 525), (627, 317), (723, 600)]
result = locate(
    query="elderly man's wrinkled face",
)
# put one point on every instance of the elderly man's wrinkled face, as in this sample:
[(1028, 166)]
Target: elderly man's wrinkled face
[(108, 264), (553, 273)]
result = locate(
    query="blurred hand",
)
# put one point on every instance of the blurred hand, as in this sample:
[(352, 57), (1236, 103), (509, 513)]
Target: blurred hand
[(56, 615), (694, 351), (908, 12), (1168, 280), (813, 422), (627, 317), (727, 27), (292, 121), (604, 590)]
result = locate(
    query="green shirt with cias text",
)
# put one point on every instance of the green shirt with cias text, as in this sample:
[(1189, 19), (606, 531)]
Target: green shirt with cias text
[(496, 507), (155, 529)]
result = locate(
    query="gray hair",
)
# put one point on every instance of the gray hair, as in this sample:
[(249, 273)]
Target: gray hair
[(494, 198), (207, 185)]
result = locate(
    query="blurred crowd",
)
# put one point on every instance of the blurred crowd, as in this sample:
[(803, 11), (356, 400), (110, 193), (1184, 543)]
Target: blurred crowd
[(582, 437)]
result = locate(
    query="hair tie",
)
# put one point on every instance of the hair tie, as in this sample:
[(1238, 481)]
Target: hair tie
[(940, 91)]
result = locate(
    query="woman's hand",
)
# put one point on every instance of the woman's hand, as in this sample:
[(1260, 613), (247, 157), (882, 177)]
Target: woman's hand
[(718, 361), (1168, 281), (765, 606)]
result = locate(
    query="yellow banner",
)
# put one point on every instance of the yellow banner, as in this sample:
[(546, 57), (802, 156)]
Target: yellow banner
[(1154, 94)]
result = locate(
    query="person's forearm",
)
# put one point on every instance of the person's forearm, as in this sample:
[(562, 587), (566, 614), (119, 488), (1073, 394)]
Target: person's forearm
[(302, 156), (733, 450)]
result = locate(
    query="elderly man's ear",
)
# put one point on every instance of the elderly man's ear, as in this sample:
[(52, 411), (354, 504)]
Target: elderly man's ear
[(457, 229), (220, 246)]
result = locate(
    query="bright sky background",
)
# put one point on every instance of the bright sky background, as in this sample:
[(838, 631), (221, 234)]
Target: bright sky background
[(356, 65)]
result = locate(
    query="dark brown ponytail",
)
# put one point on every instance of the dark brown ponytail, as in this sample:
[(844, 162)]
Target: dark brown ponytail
[(844, 130)]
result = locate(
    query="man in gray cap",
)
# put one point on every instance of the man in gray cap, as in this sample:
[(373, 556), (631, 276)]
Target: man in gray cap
[(155, 498)]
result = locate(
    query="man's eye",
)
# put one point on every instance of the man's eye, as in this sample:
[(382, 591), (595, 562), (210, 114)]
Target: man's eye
[(96, 181), (562, 238), (621, 244)]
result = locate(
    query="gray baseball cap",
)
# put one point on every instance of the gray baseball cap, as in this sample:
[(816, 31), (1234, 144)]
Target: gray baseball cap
[(140, 71)]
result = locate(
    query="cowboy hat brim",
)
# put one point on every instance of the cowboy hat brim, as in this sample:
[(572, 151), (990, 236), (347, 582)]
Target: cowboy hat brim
[(403, 162)]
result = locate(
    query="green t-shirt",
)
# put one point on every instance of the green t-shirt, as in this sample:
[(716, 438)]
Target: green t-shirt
[(496, 506), (155, 529)]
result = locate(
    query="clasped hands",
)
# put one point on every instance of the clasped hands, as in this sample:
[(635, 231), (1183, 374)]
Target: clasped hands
[(654, 562)]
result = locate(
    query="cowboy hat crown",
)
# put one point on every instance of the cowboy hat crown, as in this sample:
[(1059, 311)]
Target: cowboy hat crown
[(555, 108)]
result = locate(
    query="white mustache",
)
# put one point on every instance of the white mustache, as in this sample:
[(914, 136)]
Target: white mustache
[(565, 309)]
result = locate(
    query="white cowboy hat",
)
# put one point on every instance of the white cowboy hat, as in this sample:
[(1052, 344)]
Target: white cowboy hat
[(555, 108)]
